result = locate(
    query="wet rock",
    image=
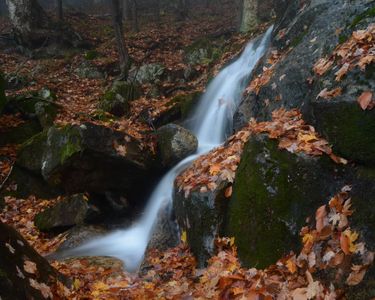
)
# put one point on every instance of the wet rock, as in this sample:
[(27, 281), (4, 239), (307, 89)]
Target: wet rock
[(201, 215), (203, 51), (79, 235), (88, 70), (15, 282), (175, 143), (273, 193), (15, 81), (87, 158), (70, 211), (116, 100), (165, 234)]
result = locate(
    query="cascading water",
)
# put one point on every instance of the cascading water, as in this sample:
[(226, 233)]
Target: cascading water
[(212, 120)]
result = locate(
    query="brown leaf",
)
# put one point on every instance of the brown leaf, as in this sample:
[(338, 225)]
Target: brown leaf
[(228, 192), (29, 267), (356, 276), (365, 99)]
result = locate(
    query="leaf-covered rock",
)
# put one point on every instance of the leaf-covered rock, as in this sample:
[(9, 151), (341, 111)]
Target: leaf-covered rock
[(24, 274)]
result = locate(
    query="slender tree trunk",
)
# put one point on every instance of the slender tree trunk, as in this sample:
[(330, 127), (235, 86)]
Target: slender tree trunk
[(183, 9), (120, 40), (59, 10), (134, 12)]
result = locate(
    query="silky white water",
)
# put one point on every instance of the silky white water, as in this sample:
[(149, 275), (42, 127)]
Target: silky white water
[(212, 121)]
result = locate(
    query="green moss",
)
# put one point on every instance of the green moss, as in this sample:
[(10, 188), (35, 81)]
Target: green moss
[(91, 54), (343, 38), (348, 128), (271, 189), (72, 143), (359, 18), (185, 103), (298, 39)]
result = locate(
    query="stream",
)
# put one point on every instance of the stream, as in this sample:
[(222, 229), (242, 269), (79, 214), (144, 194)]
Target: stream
[(212, 122)]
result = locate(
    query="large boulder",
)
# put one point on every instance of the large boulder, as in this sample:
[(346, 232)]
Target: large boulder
[(70, 211), (273, 194), (175, 143), (24, 274), (87, 158)]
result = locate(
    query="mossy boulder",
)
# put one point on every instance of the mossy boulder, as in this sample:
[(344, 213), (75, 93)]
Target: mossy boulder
[(175, 143), (116, 100), (87, 158), (201, 216), (273, 193), (70, 211), (15, 281)]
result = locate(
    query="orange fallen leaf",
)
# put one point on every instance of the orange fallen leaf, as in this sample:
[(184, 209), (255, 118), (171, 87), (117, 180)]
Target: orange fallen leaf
[(365, 99)]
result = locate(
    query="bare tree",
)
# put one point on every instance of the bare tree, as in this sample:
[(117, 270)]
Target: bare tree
[(120, 40), (183, 9)]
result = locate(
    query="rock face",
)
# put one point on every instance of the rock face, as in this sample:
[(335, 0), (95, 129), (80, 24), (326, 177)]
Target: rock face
[(15, 281), (175, 143), (274, 192), (116, 100), (87, 158), (201, 216), (71, 211)]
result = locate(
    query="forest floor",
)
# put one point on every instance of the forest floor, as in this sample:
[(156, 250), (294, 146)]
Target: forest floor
[(171, 274)]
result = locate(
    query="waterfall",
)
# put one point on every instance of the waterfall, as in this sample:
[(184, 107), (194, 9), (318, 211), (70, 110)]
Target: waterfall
[(212, 121)]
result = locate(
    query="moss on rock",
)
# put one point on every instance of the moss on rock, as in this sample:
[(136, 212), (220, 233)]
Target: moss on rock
[(348, 128), (273, 193)]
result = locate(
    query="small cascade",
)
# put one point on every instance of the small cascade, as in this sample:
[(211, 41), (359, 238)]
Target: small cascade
[(213, 119)]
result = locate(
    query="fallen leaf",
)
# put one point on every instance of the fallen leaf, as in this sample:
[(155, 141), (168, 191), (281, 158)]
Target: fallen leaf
[(29, 267), (365, 99)]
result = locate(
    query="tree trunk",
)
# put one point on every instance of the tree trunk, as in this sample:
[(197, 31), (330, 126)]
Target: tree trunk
[(134, 13), (119, 34), (249, 19), (28, 20), (60, 10)]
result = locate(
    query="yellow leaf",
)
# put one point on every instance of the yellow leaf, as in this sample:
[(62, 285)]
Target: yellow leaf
[(76, 284), (232, 241), (184, 237), (307, 238), (214, 169)]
